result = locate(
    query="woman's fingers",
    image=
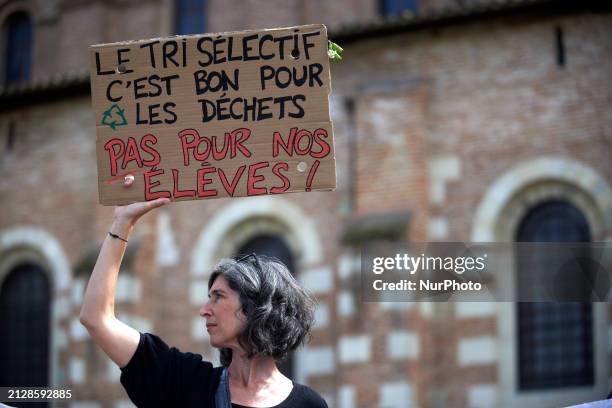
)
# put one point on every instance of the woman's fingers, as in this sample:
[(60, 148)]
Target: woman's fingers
[(144, 207), (132, 212), (156, 203)]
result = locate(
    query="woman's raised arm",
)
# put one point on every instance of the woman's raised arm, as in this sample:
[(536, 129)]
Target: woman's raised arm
[(118, 340)]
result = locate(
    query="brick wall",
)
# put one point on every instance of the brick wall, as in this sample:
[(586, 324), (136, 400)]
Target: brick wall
[(440, 115)]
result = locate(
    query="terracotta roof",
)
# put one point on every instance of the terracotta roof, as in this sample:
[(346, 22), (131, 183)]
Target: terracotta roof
[(57, 87)]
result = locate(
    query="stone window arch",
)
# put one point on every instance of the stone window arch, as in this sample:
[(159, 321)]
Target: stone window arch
[(498, 218)]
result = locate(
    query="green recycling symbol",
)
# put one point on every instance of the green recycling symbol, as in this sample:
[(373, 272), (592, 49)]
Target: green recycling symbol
[(116, 114)]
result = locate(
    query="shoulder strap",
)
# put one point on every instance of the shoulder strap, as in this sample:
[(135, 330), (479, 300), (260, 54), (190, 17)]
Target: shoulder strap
[(222, 395)]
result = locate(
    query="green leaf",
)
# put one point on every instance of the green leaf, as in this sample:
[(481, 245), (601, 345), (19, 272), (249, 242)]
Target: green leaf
[(334, 51), (336, 47)]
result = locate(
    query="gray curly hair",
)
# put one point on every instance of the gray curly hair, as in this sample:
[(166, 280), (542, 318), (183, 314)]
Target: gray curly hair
[(279, 312)]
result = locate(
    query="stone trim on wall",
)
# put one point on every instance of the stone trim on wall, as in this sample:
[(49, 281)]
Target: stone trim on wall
[(307, 248), (585, 184)]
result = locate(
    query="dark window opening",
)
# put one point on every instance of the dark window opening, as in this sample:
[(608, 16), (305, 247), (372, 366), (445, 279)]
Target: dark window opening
[(24, 329), (18, 48), (189, 16), (389, 8), (555, 340), (560, 46), (273, 246)]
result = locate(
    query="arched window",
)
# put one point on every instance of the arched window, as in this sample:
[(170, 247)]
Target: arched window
[(555, 340), (24, 328), (18, 48), (273, 246), (189, 16)]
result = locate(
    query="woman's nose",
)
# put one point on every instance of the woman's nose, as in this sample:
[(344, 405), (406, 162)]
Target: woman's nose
[(205, 310)]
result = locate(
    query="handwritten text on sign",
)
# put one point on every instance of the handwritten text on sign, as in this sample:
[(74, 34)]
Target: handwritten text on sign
[(232, 114)]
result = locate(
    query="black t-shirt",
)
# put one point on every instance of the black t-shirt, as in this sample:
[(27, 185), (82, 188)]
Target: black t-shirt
[(161, 376)]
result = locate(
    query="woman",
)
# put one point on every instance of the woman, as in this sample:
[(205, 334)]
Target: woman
[(256, 314)]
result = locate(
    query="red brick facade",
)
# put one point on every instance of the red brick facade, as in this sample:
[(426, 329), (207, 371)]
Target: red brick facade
[(449, 118)]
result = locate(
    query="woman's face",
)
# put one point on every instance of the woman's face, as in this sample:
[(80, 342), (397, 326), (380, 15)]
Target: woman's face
[(223, 314)]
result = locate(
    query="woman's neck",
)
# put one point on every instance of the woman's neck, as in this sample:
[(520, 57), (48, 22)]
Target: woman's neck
[(254, 372), (257, 382)]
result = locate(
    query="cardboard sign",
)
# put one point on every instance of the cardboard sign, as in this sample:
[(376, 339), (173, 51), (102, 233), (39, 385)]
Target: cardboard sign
[(216, 115)]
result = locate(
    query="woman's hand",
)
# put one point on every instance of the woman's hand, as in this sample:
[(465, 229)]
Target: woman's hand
[(129, 214)]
